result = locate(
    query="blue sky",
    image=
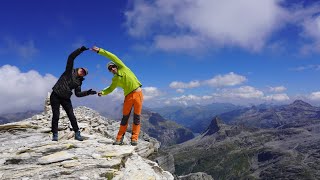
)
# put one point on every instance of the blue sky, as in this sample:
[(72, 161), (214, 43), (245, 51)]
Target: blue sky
[(184, 52)]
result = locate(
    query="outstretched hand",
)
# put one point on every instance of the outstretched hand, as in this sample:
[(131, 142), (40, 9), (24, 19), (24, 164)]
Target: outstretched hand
[(99, 93), (95, 49), (83, 48), (91, 92)]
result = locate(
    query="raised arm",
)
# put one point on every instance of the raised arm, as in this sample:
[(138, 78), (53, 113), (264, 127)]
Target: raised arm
[(73, 56), (109, 55)]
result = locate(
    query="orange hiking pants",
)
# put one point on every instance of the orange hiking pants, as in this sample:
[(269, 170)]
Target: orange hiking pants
[(134, 99)]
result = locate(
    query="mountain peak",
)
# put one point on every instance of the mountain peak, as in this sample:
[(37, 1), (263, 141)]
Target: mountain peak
[(214, 126), (300, 103)]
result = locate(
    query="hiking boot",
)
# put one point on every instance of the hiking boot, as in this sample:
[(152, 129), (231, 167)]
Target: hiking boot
[(134, 143), (77, 136), (55, 137), (117, 143)]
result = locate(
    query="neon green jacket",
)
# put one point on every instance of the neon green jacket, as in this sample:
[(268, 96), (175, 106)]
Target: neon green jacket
[(124, 78)]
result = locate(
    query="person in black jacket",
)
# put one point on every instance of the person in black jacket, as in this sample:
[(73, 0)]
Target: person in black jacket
[(62, 91)]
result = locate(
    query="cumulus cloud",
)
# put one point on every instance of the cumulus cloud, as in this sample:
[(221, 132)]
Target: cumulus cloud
[(185, 24), (243, 95), (181, 85), (308, 18), (315, 96), (180, 90), (277, 97), (277, 89), (116, 94), (150, 93), (230, 79), (244, 92), (22, 91)]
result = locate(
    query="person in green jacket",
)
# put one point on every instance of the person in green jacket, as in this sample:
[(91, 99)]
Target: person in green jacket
[(123, 77)]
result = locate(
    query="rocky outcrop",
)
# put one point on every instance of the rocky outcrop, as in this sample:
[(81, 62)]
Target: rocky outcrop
[(27, 152), (214, 127)]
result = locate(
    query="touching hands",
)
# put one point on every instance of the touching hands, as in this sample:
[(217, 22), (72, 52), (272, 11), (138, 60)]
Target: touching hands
[(91, 92)]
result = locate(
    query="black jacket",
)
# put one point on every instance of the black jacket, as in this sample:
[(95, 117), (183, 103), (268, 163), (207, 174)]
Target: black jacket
[(70, 80)]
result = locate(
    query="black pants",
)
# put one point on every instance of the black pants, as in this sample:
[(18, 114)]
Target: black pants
[(56, 101)]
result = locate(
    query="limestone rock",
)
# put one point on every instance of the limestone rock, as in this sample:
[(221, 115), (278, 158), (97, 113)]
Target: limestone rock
[(27, 152)]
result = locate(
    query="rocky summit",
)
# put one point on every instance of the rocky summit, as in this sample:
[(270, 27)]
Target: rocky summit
[(27, 152)]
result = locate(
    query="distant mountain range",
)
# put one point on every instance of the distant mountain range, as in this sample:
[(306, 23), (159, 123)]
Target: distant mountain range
[(288, 149), (197, 118), (299, 113), (14, 117), (234, 152)]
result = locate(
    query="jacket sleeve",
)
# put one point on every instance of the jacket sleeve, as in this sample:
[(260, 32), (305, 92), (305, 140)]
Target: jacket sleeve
[(112, 57), (109, 89), (71, 59), (78, 93)]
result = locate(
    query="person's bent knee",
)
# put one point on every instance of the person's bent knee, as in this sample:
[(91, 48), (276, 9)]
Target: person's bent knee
[(124, 120), (136, 119)]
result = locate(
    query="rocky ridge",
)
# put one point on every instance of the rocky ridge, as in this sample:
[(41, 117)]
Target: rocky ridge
[(296, 114), (27, 152)]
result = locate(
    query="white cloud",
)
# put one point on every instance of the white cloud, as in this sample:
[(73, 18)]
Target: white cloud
[(185, 24), (308, 19), (207, 97), (315, 96), (277, 97), (23, 91), (311, 28), (180, 90), (150, 93), (187, 98), (180, 85), (244, 92), (25, 50), (277, 89), (243, 95), (116, 94), (230, 79)]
